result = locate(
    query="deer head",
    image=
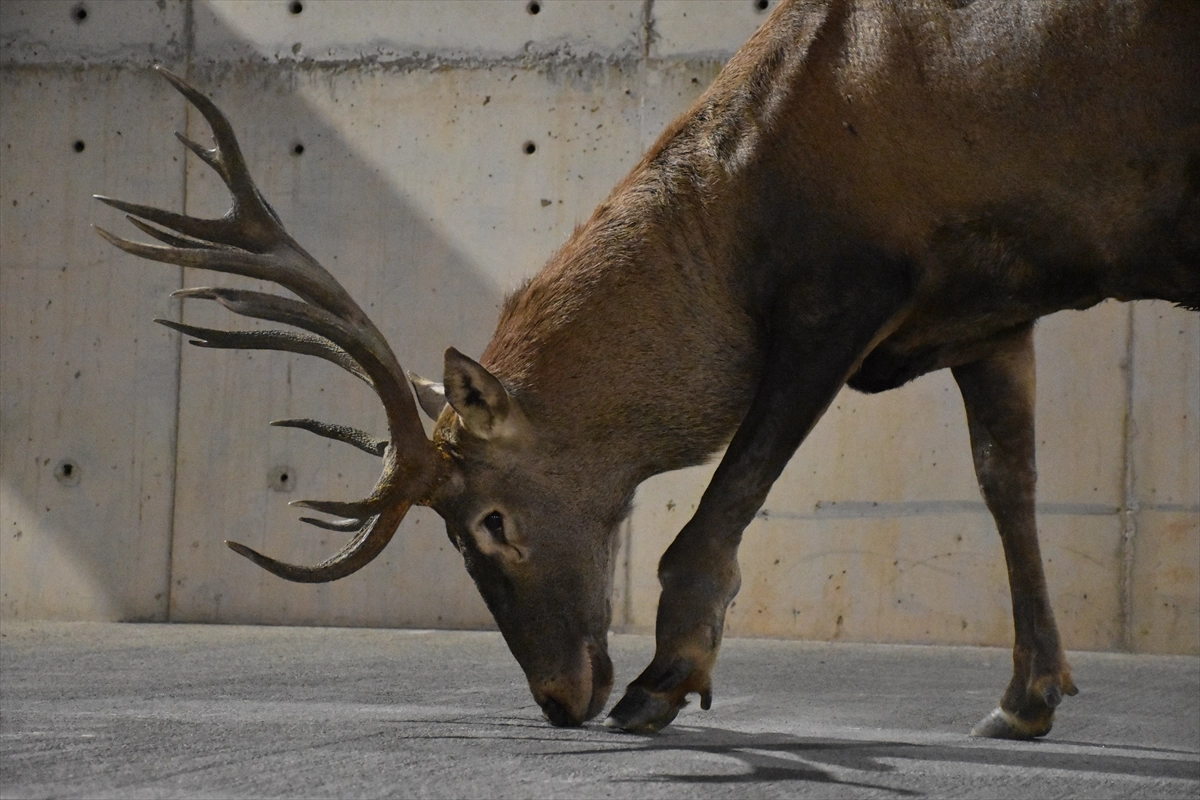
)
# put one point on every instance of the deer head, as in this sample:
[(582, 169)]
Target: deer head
[(540, 551), (491, 471)]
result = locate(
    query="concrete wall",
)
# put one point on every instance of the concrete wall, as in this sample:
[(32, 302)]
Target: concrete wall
[(127, 458)]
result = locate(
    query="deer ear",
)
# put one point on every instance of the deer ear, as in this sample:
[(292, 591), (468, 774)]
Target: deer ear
[(430, 396), (479, 398)]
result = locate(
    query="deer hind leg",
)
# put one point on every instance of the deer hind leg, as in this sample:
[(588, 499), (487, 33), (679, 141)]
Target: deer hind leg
[(999, 393), (699, 571)]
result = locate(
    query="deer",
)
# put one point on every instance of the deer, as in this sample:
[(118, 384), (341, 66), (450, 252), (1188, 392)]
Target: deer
[(868, 192)]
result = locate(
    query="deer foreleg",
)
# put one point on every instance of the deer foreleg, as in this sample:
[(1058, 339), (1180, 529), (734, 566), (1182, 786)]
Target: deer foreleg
[(699, 571), (999, 393)]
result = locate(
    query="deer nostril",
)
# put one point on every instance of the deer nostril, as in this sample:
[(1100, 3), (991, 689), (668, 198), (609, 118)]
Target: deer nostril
[(558, 715)]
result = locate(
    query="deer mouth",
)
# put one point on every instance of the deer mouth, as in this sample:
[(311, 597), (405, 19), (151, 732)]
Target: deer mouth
[(571, 706)]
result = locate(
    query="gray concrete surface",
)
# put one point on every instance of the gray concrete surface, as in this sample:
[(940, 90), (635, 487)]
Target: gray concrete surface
[(127, 711)]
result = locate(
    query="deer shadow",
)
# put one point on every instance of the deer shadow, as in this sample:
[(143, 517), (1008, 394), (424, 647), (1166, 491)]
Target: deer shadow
[(770, 757)]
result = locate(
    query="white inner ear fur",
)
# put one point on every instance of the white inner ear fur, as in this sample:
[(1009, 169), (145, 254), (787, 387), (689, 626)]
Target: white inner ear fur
[(483, 404)]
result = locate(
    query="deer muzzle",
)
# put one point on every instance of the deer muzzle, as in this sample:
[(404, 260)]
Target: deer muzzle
[(570, 700)]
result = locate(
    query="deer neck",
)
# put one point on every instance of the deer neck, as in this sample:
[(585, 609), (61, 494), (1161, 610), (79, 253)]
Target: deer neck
[(638, 336), (644, 333)]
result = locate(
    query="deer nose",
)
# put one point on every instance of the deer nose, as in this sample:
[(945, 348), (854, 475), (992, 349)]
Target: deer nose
[(558, 714), (568, 703)]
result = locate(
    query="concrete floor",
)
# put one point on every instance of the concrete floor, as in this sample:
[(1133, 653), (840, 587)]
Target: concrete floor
[(127, 711)]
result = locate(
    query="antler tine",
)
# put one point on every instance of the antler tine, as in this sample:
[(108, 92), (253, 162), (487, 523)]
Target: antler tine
[(371, 537), (339, 433), (183, 242), (226, 158), (289, 341), (251, 225), (343, 525), (383, 378), (250, 241)]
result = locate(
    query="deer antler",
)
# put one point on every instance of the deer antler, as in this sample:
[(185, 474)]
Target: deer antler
[(251, 241)]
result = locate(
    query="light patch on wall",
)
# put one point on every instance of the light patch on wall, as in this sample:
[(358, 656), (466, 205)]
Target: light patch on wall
[(40, 569)]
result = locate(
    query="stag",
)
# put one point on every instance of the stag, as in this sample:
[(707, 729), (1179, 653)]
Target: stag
[(869, 191)]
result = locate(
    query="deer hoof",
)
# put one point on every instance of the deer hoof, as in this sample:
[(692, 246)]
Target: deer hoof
[(643, 711), (1001, 724)]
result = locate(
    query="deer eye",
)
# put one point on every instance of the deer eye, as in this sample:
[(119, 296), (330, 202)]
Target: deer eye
[(494, 524)]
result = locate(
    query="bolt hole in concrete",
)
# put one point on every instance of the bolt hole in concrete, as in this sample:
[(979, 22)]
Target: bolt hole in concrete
[(530, 148), (533, 6), (295, 6), (298, 149), (762, 5), (66, 472), (79, 146), (282, 479), (79, 13)]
